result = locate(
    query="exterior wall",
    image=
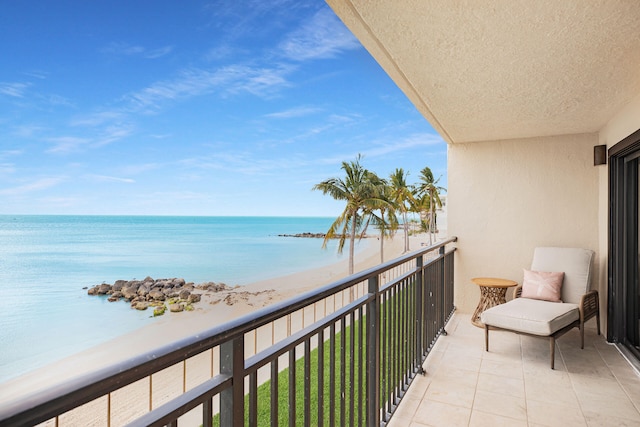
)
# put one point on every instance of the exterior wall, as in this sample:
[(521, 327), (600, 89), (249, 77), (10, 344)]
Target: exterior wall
[(507, 197), (622, 124)]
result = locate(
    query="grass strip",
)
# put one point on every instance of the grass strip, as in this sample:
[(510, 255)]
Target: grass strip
[(346, 381)]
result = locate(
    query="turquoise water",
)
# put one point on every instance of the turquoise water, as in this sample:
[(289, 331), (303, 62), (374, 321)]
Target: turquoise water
[(45, 261)]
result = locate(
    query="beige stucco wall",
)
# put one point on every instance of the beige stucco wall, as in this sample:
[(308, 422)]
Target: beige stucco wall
[(622, 124), (507, 197)]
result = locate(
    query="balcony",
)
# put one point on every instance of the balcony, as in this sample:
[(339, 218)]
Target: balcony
[(379, 328), (343, 354), (512, 385)]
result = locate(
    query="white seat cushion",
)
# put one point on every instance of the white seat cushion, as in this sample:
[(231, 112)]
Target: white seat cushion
[(531, 316)]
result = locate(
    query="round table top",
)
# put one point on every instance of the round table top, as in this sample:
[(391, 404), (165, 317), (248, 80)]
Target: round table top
[(492, 282)]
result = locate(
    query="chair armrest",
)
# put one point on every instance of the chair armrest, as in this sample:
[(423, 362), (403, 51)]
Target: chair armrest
[(517, 292), (589, 305)]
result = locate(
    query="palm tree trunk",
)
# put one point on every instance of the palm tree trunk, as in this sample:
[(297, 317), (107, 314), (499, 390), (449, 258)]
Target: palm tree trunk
[(406, 231), (432, 219), (352, 243), (381, 244)]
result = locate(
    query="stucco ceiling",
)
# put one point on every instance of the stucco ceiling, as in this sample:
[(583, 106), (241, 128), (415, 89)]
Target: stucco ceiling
[(491, 70)]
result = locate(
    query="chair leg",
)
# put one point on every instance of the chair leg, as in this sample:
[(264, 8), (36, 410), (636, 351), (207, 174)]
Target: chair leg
[(486, 337), (598, 320), (582, 335), (552, 344)]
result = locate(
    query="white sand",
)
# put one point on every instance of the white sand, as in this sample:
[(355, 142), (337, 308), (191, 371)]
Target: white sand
[(211, 311)]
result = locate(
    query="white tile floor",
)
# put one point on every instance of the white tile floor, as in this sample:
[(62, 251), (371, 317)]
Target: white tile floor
[(513, 385)]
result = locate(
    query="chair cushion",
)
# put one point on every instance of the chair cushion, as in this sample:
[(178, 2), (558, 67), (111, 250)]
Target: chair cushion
[(531, 316), (576, 264), (542, 285)]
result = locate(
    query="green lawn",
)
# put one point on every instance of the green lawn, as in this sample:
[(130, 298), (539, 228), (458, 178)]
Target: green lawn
[(341, 389), (344, 382)]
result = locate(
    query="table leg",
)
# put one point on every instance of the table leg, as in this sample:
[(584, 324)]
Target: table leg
[(489, 297)]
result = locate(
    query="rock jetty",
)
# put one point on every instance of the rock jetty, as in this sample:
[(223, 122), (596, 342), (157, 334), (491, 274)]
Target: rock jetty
[(311, 235), (174, 294), (316, 235)]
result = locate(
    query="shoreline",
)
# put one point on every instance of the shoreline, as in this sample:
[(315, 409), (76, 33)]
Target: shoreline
[(213, 310)]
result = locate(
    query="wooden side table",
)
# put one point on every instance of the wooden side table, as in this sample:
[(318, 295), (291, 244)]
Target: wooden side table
[(492, 292)]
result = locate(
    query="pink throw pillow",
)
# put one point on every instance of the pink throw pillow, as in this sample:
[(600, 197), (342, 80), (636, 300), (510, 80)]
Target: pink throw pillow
[(542, 285)]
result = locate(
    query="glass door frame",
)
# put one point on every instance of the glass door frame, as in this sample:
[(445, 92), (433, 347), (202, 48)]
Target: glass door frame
[(623, 306)]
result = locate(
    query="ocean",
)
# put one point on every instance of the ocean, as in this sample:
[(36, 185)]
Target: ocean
[(46, 261)]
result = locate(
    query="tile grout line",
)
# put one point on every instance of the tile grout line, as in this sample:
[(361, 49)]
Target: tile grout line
[(475, 392), (524, 380), (573, 386)]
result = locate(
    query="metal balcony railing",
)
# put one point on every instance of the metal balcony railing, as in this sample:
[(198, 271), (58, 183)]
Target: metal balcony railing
[(343, 354)]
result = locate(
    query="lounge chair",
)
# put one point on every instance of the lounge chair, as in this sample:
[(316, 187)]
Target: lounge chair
[(534, 312)]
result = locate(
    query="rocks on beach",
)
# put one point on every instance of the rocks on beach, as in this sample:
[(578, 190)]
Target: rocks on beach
[(175, 293), (315, 235), (306, 234)]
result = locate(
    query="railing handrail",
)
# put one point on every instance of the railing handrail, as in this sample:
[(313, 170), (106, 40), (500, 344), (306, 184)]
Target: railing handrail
[(69, 394)]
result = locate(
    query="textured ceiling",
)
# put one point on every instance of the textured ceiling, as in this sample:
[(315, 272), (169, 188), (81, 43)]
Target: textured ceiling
[(505, 69)]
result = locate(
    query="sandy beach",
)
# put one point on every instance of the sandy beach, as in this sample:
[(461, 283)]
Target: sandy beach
[(214, 309)]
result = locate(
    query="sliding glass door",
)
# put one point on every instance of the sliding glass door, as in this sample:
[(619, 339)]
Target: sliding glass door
[(624, 249)]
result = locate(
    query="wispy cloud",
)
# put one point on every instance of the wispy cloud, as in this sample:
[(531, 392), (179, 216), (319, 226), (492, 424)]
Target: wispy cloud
[(324, 36), (27, 131), (97, 119), (161, 135), (65, 144), (106, 178), (113, 133), (98, 129), (249, 18), (101, 137), (138, 169), (410, 143), (58, 101), (158, 53), (220, 52), (262, 82), (331, 123), (21, 90), (388, 146), (15, 90), (38, 185), (244, 163), (37, 74), (7, 168), (10, 153), (189, 83), (125, 49), (194, 82), (293, 113)]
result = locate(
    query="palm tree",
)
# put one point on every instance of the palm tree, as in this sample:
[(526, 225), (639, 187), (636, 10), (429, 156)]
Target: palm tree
[(386, 221), (429, 187), (402, 198), (422, 208), (359, 190)]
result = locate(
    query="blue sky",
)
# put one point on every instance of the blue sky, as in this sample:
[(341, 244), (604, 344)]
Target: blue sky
[(193, 108)]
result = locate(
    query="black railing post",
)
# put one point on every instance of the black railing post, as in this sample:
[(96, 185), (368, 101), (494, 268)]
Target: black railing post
[(443, 290), (432, 309), (373, 355), (420, 351), (232, 399), (449, 282)]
